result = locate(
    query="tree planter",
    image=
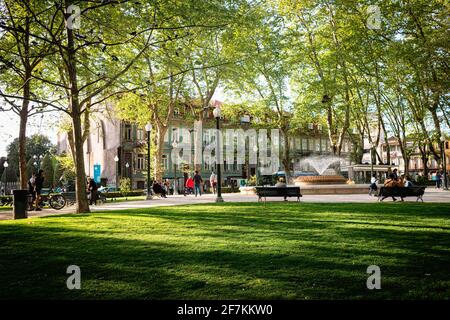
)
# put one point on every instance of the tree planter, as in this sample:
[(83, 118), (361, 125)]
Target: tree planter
[(248, 190)]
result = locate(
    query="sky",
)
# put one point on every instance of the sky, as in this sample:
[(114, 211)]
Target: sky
[(9, 128)]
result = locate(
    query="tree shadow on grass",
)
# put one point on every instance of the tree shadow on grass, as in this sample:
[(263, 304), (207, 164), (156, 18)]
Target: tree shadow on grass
[(262, 259)]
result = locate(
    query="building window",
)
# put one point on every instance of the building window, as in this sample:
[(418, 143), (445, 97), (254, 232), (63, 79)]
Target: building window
[(207, 162), (127, 133), (207, 137), (140, 162), (304, 144), (317, 144), (140, 134), (175, 135), (165, 162)]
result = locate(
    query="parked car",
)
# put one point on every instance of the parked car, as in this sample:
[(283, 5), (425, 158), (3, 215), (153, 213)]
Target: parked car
[(107, 189)]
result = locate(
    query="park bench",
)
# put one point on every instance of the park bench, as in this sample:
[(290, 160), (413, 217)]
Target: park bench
[(71, 197), (402, 192), (285, 192)]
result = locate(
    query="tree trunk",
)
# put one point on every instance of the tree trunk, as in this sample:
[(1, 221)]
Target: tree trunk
[(160, 133), (24, 110), (22, 139), (286, 154), (80, 181)]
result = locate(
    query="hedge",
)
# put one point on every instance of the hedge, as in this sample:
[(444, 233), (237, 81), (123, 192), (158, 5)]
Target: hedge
[(118, 194)]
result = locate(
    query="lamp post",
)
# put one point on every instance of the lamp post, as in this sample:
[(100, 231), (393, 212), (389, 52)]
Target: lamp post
[(116, 160), (148, 128), (37, 161), (175, 183), (444, 161), (216, 113), (255, 150), (372, 145), (5, 165)]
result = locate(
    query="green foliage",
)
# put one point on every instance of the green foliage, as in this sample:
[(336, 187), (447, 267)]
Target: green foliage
[(36, 144), (119, 194), (47, 166), (31, 168), (251, 182), (64, 172), (125, 186)]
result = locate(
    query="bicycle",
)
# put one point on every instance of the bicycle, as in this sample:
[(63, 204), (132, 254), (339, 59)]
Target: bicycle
[(55, 200)]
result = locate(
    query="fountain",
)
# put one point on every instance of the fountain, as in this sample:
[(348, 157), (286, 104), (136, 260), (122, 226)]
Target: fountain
[(321, 165)]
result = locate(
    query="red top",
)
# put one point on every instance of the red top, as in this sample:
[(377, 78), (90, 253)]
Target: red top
[(190, 183)]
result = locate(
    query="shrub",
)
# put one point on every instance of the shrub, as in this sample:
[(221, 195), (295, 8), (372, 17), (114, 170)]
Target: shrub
[(118, 194), (125, 186)]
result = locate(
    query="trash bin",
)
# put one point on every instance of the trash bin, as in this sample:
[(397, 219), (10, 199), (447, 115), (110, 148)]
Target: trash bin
[(20, 204)]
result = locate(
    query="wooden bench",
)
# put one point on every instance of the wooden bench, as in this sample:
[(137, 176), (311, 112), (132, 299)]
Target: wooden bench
[(285, 192), (402, 192), (71, 197)]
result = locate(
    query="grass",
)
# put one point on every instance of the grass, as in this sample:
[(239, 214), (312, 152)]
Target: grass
[(232, 251)]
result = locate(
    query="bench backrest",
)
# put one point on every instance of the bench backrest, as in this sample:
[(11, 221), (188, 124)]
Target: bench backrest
[(278, 191), (402, 191)]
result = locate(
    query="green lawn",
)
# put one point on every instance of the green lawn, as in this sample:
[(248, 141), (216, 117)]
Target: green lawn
[(232, 251)]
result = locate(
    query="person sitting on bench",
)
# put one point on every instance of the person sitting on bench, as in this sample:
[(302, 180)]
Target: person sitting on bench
[(158, 189), (392, 183), (281, 184)]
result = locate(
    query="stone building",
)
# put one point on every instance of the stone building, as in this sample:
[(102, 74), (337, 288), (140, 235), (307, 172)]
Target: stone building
[(111, 139)]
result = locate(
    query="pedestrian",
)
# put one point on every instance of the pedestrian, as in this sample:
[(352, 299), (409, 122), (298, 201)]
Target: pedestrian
[(197, 183), (167, 186), (32, 186), (438, 180), (38, 185), (373, 184), (213, 182), (93, 191)]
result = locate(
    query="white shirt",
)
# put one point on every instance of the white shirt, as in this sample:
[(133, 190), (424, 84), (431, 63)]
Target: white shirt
[(373, 180), (212, 178)]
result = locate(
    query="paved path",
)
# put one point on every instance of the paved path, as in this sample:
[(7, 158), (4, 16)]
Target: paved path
[(431, 195)]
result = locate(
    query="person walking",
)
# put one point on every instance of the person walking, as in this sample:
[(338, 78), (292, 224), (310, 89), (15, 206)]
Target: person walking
[(93, 191), (373, 185), (38, 185), (213, 182), (438, 180), (197, 183), (32, 186)]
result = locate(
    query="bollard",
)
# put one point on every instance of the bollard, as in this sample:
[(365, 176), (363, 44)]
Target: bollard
[(20, 204)]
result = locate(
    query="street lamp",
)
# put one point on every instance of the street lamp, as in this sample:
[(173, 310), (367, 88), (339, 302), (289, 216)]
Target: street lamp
[(372, 146), (175, 183), (116, 160), (148, 128), (5, 165), (444, 161), (216, 113), (255, 150), (37, 161)]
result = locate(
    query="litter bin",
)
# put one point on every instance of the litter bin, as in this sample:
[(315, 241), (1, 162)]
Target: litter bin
[(20, 204)]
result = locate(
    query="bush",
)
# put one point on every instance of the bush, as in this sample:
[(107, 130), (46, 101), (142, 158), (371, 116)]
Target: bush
[(118, 194), (125, 187)]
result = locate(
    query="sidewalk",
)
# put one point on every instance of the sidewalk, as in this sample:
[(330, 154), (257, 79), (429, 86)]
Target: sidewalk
[(431, 195)]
